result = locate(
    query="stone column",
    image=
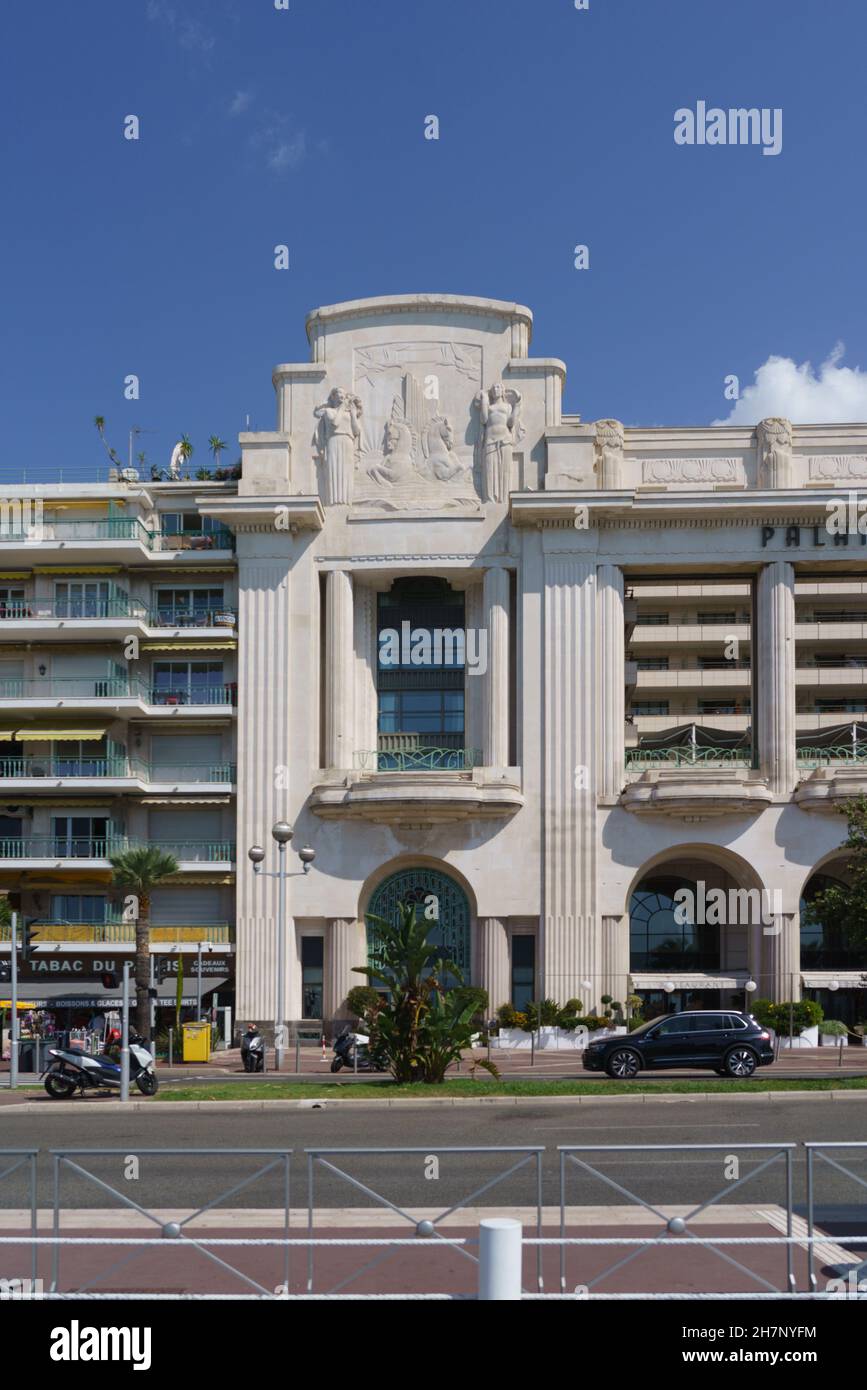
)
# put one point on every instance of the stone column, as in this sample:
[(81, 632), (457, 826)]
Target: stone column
[(475, 687), (784, 954), (612, 677), (614, 957), (365, 670), (494, 961), (495, 603), (339, 670), (570, 925), (264, 708), (345, 947), (773, 648)]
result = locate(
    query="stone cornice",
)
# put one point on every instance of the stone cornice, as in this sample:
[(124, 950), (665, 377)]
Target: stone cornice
[(634, 508), (296, 513), (418, 304)]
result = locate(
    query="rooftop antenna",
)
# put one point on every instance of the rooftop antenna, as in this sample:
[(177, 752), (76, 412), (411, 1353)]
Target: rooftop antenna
[(133, 435)]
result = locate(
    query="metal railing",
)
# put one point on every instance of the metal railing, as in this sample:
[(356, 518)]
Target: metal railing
[(34, 766), (167, 616), (687, 756), (413, 758), (198, 851), (115, 688), (60, 847), (676, 1232), (429, 1229), (118, 606), (853, 753), (123, 933), (117, 528), (196, 540)]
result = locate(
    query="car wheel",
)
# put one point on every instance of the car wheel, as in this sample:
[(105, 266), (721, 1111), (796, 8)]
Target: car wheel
[(623, 1064), (740, 1062)]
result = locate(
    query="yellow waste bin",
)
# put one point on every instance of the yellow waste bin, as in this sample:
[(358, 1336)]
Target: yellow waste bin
[(197, 1042)]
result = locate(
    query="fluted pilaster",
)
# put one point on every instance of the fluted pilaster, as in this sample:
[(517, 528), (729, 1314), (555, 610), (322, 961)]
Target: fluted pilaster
[(612, 698), (495, 605), (774, 649), (339, 670), (264, 693), (345, 948), (785, 955), (614, 979), (571, 937), (494, 961)]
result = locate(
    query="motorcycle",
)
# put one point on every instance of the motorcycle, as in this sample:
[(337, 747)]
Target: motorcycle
[(73, 1071), (253, 1052), (347, 1045)]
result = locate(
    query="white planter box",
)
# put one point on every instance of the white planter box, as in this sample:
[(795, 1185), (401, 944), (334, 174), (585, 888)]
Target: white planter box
[(551, 1039), (809, 1038), (832, 1040)]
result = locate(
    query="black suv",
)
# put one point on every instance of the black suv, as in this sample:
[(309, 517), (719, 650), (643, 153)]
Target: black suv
[(728, 1043)]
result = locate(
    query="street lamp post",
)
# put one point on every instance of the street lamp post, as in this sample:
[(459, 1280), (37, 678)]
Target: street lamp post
[(282, 833)]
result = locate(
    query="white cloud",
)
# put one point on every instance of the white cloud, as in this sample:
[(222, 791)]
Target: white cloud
[(239, 103), (281, 146), (191, 34), (834, 394)]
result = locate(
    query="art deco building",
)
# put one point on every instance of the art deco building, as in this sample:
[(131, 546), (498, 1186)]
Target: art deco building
[(533, 673)]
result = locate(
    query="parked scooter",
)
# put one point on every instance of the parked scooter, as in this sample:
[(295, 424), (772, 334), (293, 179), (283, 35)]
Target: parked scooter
[(346, 1045), (72, 1071), (253, 1051)]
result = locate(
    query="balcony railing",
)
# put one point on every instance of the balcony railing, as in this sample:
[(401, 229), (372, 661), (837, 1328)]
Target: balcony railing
[(198, 851), (811, 757), (115, 688), (116, 528), (123, 933), (413, 753), (71, 768), (60, 847), (167, 616), (640, 759), (95, 847), (197, 540)]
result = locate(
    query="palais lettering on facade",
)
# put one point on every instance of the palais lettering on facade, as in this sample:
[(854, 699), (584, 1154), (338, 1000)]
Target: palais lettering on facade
[(672, 694)]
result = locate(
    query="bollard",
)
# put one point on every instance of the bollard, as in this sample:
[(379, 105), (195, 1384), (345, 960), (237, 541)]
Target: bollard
[(500, 1247), (297, 1053), (171, 1044)]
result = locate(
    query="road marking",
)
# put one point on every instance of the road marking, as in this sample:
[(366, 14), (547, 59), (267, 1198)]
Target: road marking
[(687, 1124)]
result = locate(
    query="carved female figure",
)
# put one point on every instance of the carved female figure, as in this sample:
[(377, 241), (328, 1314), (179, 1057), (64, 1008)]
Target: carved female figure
[(500, 413), (336, 442)]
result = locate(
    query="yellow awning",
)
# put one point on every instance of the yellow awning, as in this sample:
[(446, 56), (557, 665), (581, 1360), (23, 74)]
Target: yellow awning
[(59, 735), (22, 1004), (188, 646), (76, 569), (14, 574), (7, 733)]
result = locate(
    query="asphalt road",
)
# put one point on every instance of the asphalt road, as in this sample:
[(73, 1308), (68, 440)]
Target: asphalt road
[(673, 1175)]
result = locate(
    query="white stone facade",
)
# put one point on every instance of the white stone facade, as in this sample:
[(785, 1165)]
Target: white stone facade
[(423, 442)]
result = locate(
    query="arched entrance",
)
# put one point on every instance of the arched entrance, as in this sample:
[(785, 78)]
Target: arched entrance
[(422, 886)]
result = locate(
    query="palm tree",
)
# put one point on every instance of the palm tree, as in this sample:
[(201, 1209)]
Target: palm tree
[(139, 871), (186, 448), (99, 421), (216, 446)]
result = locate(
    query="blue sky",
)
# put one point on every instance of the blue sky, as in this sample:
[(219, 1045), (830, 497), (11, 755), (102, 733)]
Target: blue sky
[(306, 127)]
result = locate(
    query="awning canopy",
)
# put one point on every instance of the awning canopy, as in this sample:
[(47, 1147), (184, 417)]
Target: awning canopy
[(698, 736), (834, 736), (60, 735), (188, 646)]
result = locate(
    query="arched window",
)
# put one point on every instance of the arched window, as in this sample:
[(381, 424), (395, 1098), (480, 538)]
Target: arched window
[(435, 893), (658, 940), (824, 948)]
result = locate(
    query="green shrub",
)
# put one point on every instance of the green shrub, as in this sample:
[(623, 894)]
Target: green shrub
[(506, 1016), (801, 1014), (833, 1028), (568, 1022), (594, 1021), (573, 1006), (762, 1011), (543, 1015), (363, 1000)]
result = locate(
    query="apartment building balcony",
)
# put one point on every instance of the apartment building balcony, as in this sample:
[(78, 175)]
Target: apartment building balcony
[(115, 695), (41, 851), (685, 634), (110, 619), (413, 781), (694, 770), (120, 539), (123, 933), (832, 766), (722, 675), (105, 774)]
